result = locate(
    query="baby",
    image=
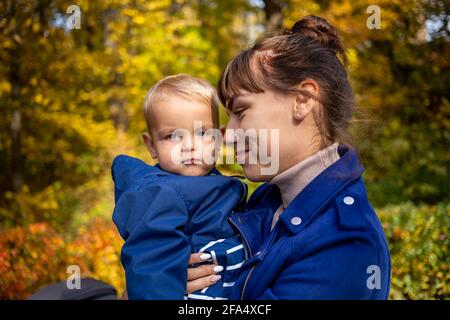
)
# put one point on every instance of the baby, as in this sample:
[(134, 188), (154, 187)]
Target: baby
[(180, 206)]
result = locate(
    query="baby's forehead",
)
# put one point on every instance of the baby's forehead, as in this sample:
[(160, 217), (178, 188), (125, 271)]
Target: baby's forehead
[(175, 109)]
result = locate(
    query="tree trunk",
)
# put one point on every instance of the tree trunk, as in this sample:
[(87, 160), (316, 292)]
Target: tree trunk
[(274, 15), (116, 101), (16, 125)]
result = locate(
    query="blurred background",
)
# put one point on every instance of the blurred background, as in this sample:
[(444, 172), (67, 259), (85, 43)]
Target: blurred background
[(71, 98)]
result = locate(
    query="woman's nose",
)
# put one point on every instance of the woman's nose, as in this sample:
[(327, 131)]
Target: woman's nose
[(230, 136), (232, 123), (230, 132)]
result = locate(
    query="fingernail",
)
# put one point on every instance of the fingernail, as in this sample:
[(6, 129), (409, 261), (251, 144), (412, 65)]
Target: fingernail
[(218, 269), (205, 256), (216, 278)]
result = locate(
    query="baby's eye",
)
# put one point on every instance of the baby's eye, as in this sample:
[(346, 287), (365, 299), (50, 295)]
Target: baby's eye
[(174, 137), (203, 133)]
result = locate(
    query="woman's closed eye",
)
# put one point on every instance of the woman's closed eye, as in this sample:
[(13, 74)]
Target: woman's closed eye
[(239, 112)]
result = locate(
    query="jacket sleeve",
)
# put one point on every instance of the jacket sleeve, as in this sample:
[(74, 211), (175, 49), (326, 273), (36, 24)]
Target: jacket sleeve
[(331, 273), (151, 219), (156, 252), (126, 172)]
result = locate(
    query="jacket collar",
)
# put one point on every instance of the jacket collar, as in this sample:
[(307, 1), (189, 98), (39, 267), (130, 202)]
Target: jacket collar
[(293, 180), (321, 190)]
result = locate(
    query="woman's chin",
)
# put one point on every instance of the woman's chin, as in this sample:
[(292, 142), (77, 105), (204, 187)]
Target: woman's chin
[(253, 173)]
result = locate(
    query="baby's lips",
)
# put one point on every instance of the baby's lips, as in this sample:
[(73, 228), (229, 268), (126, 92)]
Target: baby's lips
[(192, 161)]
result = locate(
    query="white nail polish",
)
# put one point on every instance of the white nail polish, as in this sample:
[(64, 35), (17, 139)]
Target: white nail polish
[(216, 278), (205, 256), (218, 269)]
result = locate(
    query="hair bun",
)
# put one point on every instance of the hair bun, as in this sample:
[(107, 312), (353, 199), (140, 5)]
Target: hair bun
[(318, 28)]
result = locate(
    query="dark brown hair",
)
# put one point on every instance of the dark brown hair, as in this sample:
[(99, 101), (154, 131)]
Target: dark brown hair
[(311, 49)]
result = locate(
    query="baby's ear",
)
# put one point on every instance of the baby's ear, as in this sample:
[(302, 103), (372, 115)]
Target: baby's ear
[(148, 140)]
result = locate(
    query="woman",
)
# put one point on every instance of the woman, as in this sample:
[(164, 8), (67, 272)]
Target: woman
[(311, 233)]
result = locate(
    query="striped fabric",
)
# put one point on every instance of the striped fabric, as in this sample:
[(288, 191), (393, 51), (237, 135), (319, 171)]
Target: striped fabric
[(228, 253)]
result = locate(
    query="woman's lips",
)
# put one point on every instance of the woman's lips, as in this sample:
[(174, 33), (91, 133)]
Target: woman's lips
[(241, 154)]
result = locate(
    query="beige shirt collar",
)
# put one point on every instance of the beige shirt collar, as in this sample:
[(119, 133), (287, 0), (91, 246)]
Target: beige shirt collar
[(293, 180)]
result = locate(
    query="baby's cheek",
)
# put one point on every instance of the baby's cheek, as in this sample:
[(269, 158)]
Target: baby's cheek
[(170, 153)]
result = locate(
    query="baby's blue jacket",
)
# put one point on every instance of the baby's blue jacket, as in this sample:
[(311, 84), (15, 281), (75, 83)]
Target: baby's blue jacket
[(164, 217)]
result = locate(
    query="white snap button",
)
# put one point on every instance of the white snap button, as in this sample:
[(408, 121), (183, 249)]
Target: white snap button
[(349, 200), (296, 221)]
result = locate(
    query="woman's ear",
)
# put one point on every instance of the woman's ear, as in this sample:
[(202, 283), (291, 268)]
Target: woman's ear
[(304, 104), (148, 140)]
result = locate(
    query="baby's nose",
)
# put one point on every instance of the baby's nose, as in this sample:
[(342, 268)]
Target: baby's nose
[(189, 144), (188, 147)]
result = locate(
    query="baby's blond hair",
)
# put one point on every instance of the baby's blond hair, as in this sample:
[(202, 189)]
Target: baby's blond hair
[(188, 87)]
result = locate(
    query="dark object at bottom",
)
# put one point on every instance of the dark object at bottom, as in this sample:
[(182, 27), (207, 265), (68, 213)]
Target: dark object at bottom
[(90, 289)]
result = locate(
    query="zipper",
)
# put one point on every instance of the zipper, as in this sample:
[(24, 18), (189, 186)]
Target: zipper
[(273, 236), (244, 185), (247, 249), (246, 244), (247, 254), (245, 282)]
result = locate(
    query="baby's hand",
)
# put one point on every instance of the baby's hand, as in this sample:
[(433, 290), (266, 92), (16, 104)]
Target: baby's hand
[(202, 276)]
